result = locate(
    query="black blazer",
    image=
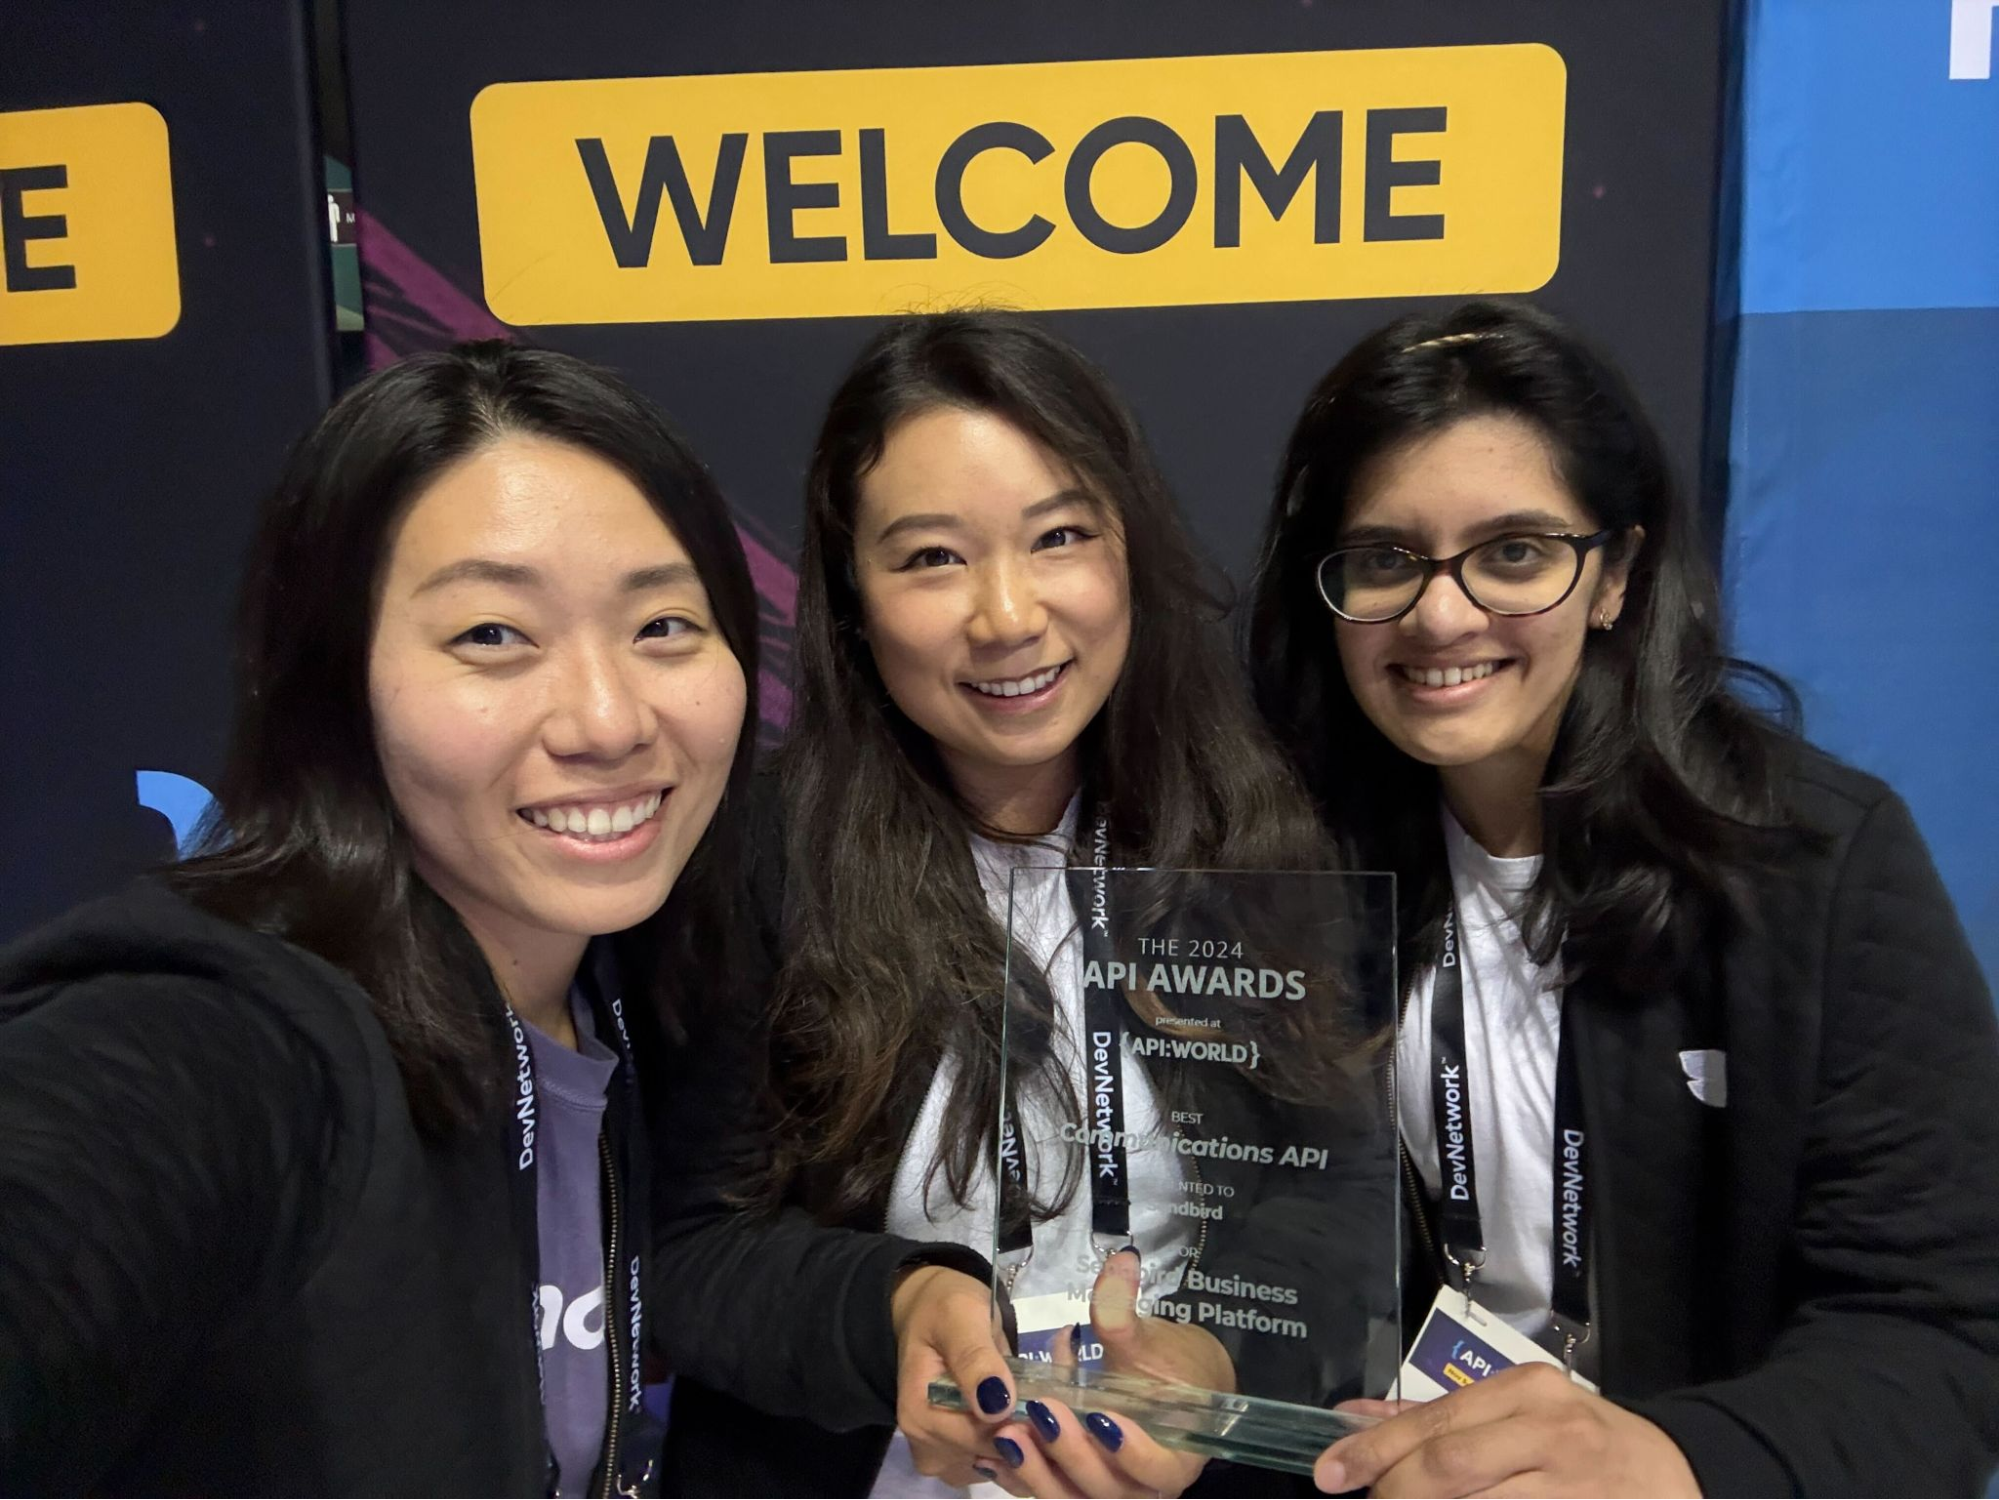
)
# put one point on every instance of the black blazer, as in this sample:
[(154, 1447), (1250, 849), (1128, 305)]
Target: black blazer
[(1802, 1287)]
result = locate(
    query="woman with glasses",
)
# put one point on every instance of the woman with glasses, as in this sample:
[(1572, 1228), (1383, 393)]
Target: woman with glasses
[(1697, 1065)]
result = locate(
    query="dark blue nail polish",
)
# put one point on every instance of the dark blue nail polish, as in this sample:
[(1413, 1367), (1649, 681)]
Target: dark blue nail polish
[(994, 1397), (1044, 1421), (984, 1473), (1010, 1451), (1129, 1250), (1076, 1338), (1104, 1430)]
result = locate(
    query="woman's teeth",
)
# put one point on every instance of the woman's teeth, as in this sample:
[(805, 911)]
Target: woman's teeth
[(594, 822), (1447, 676), (1014, 687)]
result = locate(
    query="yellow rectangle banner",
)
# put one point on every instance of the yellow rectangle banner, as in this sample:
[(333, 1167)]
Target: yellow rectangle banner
[(86, 225), (1277, 177)]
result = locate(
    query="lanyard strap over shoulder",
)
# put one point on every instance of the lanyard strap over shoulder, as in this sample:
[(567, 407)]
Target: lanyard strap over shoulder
[(1463, 1233), (623, 1124), (1102, 1048)]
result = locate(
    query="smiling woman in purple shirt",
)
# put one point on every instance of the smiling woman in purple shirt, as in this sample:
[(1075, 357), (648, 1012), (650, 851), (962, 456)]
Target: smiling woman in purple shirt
[(324, 1150)]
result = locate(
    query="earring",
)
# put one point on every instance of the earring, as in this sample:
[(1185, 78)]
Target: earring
[(1604, 621)]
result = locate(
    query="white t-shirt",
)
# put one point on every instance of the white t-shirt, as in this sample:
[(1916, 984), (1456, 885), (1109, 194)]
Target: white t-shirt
[(1063, 1249), (1513, 1021)]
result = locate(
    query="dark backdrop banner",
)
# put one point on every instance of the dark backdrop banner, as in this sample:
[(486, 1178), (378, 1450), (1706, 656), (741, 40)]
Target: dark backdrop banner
[(1214, 200), (164, 334)]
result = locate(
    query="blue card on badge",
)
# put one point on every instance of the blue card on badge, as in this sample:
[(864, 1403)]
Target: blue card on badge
[(1462, 1343), (1452, 1355)]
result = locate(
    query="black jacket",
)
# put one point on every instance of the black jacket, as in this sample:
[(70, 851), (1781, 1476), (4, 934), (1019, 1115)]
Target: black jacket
[(1802, 1287), (776, 1326), (231, 1264), (758, 1411), (786, 1359)]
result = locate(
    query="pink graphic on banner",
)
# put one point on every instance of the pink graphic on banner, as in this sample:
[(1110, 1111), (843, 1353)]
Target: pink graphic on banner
[(420, 286)]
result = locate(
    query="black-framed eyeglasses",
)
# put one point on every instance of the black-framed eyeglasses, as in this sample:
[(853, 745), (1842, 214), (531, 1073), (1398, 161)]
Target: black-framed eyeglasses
[(1526, 573)]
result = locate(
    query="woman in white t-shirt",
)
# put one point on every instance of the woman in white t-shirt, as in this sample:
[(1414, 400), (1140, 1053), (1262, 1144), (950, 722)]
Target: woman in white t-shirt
[(1002, 632), (1696, 1064)]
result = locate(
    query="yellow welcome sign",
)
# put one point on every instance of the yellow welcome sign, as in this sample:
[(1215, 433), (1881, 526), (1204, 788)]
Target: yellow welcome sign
[(1145, 182), (86, 225)]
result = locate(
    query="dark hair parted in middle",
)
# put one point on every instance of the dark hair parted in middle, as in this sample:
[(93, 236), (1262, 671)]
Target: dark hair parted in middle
[(1660, 786), (307, 842), (893, 956)]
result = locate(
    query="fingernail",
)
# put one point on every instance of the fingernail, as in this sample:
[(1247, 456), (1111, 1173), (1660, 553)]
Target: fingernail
[(994, 1397), (1044, 1421), (1075, 1338), (1130, 1250), (1010, 1451), (984, 1473), (1104, 1430), (1331, 1476)]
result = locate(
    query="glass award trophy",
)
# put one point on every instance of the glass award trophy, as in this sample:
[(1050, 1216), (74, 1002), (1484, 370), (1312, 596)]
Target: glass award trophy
[(1198, 1064)]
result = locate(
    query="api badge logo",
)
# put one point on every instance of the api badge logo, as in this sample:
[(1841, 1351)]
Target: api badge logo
[(1132, 183), (86, 225), (1450, 1354)]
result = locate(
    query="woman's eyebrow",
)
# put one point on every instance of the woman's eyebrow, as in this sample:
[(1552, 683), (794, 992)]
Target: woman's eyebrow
[(1393, 536), (1523, 520), (523, 576), (939, 521), (929, 521), (1057, 501), (665, 575), (1513, 520), (482, 570)]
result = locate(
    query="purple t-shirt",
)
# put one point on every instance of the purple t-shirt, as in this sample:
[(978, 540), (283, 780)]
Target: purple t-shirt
[(576, 1372)]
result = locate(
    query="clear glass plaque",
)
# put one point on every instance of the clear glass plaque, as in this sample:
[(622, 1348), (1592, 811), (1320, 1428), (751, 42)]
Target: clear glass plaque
[(1200, 1063)]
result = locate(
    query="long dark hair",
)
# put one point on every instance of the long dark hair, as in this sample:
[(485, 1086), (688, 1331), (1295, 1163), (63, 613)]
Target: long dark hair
[(305, 841), (893, 957), (1661, 789)]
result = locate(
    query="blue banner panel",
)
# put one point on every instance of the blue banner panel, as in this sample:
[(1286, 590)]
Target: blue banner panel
[(1863, 558), (1862, 536), (1871, 132)]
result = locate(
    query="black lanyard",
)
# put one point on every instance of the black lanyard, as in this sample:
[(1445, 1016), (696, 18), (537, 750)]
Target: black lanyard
[(1102, 1047), (598, 979), (1462, 1233)]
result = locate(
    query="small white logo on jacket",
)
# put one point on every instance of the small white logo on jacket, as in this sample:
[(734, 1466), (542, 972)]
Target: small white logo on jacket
[(575, 1324), (1707, 1075)]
